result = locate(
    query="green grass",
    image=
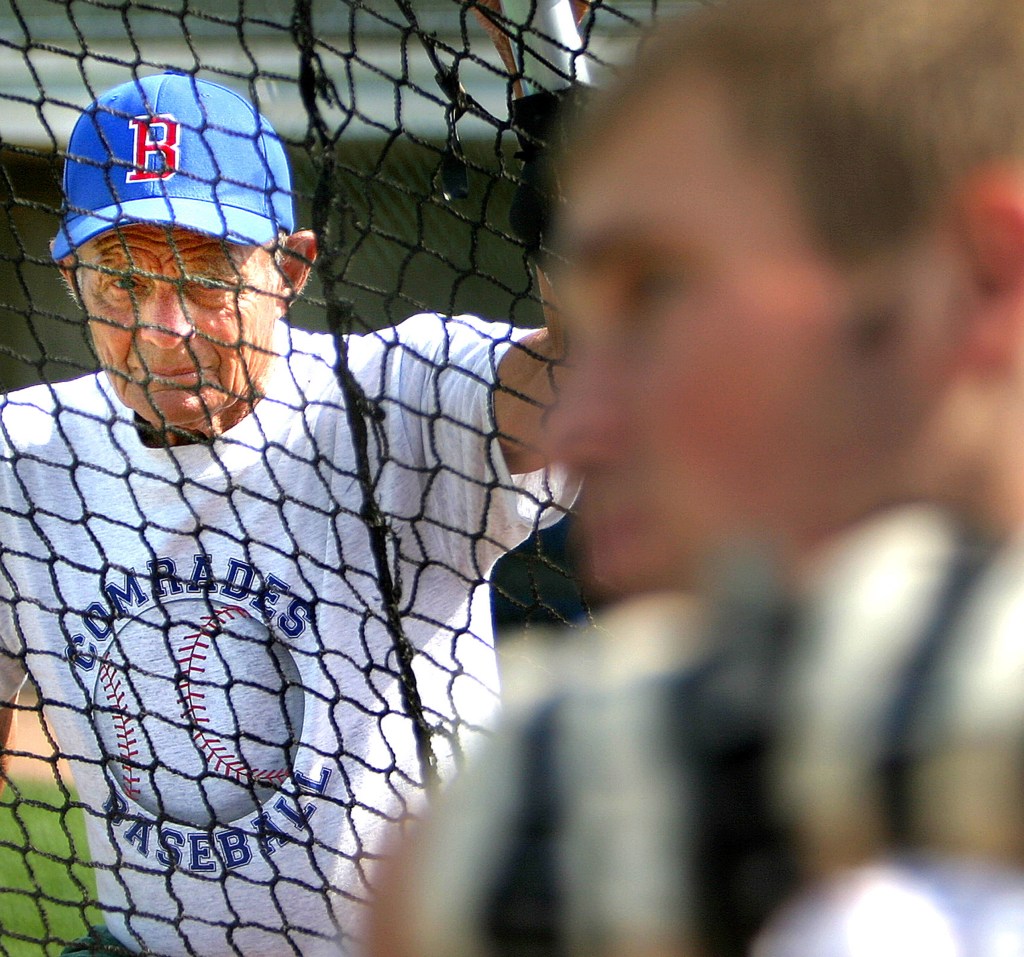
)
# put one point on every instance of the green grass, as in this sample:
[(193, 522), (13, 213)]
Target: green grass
[(45, 888)]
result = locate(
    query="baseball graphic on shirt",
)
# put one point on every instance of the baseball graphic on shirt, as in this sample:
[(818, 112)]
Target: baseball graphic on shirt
[(199, 710)]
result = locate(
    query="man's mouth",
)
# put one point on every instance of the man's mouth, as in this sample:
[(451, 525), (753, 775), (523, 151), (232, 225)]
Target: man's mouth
[(174, 378)]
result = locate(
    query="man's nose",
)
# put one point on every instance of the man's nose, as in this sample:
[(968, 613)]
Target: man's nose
[(164, 318)]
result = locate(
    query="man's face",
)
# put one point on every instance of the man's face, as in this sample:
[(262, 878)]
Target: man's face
[(726, 380), (183, 323)]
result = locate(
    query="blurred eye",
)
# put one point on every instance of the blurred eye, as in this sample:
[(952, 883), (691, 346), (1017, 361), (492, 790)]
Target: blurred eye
[(654, 281), (127, 283), (654, 286), (650, 290)]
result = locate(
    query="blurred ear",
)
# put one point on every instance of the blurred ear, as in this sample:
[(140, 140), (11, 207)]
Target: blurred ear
[(299, 251), (990, 217)]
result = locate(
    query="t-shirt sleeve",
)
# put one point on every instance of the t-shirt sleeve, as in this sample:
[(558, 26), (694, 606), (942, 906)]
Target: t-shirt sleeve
[(12, 654), (12, 672), (441, 383)]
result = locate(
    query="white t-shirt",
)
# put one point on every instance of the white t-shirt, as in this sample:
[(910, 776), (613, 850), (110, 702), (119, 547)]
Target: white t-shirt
[(206, 632)]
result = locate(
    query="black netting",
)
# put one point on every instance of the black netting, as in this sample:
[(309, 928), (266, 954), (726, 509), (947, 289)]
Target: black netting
[(237, 661)]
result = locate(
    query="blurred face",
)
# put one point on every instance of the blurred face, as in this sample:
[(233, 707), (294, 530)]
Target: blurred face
[(726, 381), (183, 327)]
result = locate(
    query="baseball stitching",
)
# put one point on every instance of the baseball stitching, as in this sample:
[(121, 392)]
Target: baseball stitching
[(192, 659), (124, 728)]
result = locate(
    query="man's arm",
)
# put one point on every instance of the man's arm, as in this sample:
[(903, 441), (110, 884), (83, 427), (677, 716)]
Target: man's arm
[(490, 13), (8, 724), (527, 380)]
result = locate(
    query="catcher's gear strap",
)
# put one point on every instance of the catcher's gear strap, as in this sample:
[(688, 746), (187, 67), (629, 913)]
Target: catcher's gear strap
[(539, 121), (921, 673), (524, 913), (743, 856)]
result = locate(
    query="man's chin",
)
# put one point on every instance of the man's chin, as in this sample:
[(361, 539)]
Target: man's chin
[(173, 410), (614, 574)]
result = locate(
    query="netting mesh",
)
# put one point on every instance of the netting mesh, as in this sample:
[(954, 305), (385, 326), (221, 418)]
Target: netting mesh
[(238, 662)]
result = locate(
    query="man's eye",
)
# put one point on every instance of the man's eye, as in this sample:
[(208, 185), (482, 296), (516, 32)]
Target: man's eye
[(208, 292), (128, 283)]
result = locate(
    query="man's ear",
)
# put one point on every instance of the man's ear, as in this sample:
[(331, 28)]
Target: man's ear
[(990, 220), (67, 272), (298, 254)]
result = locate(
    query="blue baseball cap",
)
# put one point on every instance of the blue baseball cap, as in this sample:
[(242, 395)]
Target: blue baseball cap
[(174, 150)]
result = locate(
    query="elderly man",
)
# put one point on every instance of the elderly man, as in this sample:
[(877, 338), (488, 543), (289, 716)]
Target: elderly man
[(215, 570), (793, 236)]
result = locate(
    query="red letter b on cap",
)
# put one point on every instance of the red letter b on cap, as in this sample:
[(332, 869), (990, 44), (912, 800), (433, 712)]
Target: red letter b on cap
[(155, 151)]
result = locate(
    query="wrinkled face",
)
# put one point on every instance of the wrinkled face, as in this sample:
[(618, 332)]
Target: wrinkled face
[(726, 380), (183, 326)]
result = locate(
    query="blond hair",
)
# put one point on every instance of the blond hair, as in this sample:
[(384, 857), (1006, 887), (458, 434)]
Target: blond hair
[(879, 106)]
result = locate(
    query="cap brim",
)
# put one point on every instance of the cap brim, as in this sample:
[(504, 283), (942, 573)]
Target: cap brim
[(234, 225)]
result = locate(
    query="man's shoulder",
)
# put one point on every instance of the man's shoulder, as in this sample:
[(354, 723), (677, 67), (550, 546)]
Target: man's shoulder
[(398, 358), (431, 332), (431, 328), (55, 415), (422, 331), (313, 355), (85, 394)]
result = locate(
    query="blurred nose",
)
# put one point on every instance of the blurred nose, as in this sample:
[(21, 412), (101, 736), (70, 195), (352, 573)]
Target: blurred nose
[(588, 426), (164, 320)]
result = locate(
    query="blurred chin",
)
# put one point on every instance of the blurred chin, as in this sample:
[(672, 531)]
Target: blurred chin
[(612, 571)]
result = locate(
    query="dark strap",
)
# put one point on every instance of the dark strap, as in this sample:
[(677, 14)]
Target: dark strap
[(918, 682), (524, 914), (742, 857), (540, 121)]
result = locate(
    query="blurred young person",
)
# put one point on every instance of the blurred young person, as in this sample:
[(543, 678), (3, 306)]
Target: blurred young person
[(792, 274)]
